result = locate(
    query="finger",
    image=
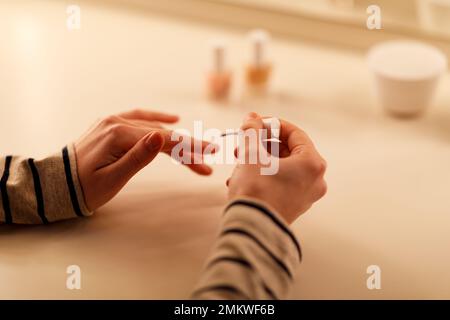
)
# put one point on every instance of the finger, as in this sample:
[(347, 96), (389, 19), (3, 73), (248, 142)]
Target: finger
[(201, 169), (250, 142), (126, 135), (194, 162), (140, 114), (252, 121), (145, 124), (295, 138), (190, 144), (141, 154), (122, 137)]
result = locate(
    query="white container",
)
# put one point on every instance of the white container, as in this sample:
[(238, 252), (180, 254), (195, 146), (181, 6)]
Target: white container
[(406, 75)]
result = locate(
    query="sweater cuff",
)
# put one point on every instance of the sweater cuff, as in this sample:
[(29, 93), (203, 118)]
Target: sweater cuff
[(259, 217), (76, 182), (41, 191), (61, 188)]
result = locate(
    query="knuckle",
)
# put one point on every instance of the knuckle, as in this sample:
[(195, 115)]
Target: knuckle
[(316, 167), (137, 112), (115, 129), (323, 166), (110, 120), (322, 190)]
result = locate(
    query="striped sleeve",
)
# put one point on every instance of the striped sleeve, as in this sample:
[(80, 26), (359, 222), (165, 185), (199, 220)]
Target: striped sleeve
[(255, 256), (40, 191)]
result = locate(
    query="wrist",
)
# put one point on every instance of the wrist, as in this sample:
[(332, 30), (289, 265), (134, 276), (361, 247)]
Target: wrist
[(270, 205)]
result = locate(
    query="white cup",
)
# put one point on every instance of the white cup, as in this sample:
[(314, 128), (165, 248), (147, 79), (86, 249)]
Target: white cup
[(406, 75)]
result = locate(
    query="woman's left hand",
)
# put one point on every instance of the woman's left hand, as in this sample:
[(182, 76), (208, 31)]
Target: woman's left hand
[(118, 146)]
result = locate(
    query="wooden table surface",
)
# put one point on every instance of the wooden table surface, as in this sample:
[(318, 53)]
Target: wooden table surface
[(389, 180)]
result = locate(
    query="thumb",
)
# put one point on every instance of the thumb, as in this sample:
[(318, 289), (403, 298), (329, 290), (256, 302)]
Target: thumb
[(140, 155), (250, 139), (252, 121)]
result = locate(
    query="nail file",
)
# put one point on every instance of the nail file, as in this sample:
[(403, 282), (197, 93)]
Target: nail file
[(272, 124)]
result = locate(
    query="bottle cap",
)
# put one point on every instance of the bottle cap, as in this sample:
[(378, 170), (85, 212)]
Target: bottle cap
[(218, 53), (259, 40)]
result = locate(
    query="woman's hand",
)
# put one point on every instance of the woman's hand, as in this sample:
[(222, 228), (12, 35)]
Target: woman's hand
[(299, 181), (117, 147)]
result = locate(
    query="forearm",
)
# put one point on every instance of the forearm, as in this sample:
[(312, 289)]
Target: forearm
[(255, 257), (40, 191)]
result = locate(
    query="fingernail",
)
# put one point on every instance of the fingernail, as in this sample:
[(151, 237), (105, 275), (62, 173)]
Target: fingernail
[(215, 148), (153, 141), (208, 170), (252, 115)]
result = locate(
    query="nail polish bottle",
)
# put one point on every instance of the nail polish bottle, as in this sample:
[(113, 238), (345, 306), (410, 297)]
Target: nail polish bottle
[(259, 69), (219, 77)]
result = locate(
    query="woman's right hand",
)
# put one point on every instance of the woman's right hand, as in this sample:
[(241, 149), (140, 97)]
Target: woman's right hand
[(299, 181)]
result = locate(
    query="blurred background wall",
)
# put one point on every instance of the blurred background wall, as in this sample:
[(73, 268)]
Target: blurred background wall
[(341, 22)]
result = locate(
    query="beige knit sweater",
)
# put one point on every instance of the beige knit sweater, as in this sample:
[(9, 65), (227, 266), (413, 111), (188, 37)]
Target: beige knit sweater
[(255, 256)]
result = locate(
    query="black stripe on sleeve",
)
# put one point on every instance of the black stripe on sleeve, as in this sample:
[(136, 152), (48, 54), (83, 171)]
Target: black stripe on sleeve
[(227, 288), (271, 216), (261, 245), (245, 264), (239, 261), (38, 191), (270, 293), (70, 184), (5, 198)]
